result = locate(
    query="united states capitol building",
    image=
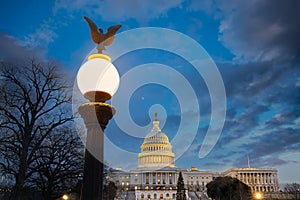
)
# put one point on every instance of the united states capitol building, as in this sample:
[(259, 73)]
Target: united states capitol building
[(156, 174)]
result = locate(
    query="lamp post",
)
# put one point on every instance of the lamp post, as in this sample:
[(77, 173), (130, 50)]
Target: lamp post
[(97, 80)]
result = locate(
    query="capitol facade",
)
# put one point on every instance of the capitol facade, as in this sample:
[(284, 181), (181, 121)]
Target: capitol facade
[(156, 174)]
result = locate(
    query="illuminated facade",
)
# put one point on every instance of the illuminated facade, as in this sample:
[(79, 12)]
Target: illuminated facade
[(156, 174), (156, 151), (259, 179)]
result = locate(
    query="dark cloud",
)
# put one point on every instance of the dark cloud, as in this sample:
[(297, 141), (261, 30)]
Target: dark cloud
[(263, 139), (252, 79), (273, 137), (238, 125), (262, 30), (286, 118), (262, 82), (271, 161), (266, 149), (260, 161), (287, 91), (12, 51), (279, 140)]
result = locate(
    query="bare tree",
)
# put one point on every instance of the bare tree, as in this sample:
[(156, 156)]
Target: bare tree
[(33, 103), (293, 188), (58, 163)]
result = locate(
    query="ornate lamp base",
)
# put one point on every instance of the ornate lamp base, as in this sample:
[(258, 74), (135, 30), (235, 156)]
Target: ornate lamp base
[(96, 116)]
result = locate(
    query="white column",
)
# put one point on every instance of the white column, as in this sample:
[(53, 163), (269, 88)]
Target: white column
[(167, 178), (272, 179), (242, 175), (142, 179)]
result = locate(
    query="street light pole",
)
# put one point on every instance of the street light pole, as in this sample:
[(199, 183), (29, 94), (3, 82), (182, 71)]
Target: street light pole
[(97, 80), (94, 114)]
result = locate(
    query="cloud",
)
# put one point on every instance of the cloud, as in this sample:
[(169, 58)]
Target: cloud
[(12, 50), (119, 10), (246, 120), (265, 150), (262, 30), (265, 142), (43, 36), (207, 6), (261, 81), (287, 119), (262, 117)]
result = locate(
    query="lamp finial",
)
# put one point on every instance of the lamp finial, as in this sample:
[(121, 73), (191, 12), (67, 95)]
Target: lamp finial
[(100, 38)]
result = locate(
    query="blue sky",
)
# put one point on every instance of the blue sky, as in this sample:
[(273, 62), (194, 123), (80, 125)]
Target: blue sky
[(255, 46)]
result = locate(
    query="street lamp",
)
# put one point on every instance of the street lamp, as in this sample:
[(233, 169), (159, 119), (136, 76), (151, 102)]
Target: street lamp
[(97, 80), (258, 195), (65, 197)]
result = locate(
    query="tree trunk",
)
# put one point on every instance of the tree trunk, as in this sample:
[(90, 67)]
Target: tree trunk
[(47, 194), (18, 189)]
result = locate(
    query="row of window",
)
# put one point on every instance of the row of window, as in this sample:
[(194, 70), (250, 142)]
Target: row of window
[(159, 181), (158, 174), (122, 183), (258, 174), (155, 196), (258, 181), (197, 183), (158, 188), (191, 177), (123, 177), (156, 148)]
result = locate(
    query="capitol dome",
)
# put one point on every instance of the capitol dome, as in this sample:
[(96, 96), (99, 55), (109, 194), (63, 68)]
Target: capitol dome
[(156, 151)]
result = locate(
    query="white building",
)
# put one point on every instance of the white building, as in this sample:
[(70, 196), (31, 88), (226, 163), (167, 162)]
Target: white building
[(156, 174), (259, 179)]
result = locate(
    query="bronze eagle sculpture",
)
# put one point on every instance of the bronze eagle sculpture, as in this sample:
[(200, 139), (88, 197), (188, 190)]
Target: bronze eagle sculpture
[(100, 38)]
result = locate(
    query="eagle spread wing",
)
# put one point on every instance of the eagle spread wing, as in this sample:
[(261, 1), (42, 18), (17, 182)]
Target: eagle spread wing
[(110, 35), (94, 30), (99, 37)]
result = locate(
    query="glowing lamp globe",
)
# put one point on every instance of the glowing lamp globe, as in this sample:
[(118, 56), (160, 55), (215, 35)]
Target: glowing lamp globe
[(98, 79), (258, 195)]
